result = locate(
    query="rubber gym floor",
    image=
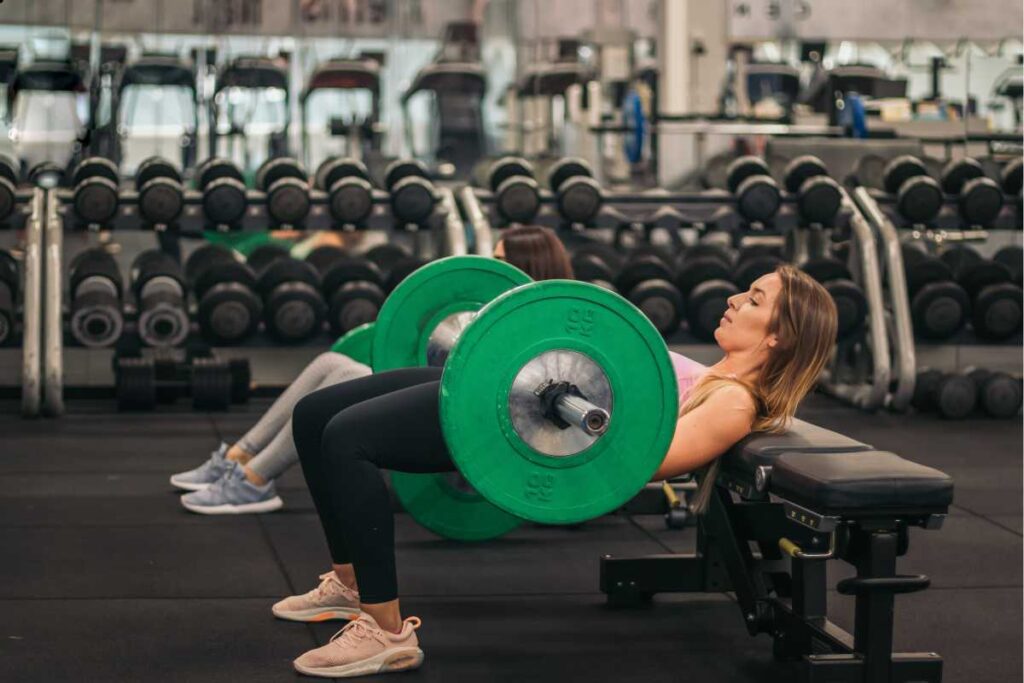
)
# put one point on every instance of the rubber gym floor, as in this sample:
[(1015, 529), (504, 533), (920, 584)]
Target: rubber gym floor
[(105, 578)]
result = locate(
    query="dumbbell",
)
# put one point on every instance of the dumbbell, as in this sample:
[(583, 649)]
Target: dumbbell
[(161, 195), (293, 308), (578, 196), (703, 277), (265, 254), (412, 195), (227, 307), (95, 196), (45, 175), (223, 188), (96, 291), (851, 304), (140, 383), (753, 262), (757, 194), (869, 171), (818, 195), (597, 263), (938, 305), (980, 198), (997, 309), (9, 286), (1011, 177), (8, 186), (1013, 258), (953, 395), (159, 287), (352, 286), (286, 186), (999, 394), (347, 184), (395, 262), (646, 280), (386, 255), (918, 195), (511, 181)]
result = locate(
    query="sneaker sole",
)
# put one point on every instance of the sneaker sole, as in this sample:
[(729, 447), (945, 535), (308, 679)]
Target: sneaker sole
[(274, 503), (187, 485), (317, 614), (389, 661)]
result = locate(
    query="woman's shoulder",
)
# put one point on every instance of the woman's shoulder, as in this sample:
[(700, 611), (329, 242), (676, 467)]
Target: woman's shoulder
[(726, 391)]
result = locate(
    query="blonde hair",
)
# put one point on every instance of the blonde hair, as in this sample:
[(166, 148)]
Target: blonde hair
[(804, 321)]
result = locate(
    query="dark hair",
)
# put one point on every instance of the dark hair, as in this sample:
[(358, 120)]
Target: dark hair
[(538, 252)]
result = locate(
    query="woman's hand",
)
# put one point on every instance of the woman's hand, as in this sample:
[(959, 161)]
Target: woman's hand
[(708, 431)]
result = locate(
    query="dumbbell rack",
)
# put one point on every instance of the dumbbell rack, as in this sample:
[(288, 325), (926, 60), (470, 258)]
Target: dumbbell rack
[(964, 349), (21, 364), (274, 365), (854, 376)]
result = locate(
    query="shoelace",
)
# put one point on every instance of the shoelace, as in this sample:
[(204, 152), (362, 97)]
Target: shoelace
[(327, 579), (360, 630)]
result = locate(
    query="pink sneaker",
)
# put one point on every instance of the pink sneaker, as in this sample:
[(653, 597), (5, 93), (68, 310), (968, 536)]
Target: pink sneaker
[(330, 600), (363, 648)]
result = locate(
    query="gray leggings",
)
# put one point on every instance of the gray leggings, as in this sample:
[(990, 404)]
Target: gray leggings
[(270, 440)]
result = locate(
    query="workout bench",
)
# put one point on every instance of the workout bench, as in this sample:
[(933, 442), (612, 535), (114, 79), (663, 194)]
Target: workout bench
[(806, 496)]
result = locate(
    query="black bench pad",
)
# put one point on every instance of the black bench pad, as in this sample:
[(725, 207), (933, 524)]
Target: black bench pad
[(801, 437), (869, 480)]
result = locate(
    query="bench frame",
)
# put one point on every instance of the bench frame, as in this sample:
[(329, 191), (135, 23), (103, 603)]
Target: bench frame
[(788, 600)]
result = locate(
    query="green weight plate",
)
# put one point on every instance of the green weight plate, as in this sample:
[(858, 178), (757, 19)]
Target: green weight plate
[(564, 331), (357, 344), (432, 293), (447, 505)]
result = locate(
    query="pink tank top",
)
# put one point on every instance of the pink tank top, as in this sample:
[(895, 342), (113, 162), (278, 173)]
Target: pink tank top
[(688, 372)]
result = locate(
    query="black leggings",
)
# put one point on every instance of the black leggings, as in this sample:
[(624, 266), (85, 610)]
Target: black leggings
[(345, 434)]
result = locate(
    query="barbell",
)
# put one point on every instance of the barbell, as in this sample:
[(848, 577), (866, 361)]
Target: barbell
[(558, 399)]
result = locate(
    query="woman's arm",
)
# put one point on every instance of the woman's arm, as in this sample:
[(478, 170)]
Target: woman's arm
[(708, 431)]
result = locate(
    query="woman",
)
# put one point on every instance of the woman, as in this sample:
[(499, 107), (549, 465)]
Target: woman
[(776, 338), (239, 479)]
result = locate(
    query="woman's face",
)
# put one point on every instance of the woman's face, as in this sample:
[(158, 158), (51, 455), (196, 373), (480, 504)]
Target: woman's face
[(744, 327)]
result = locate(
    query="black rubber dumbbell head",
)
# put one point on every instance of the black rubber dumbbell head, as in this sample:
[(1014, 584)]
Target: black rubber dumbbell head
[(386, 255), (565, 169), (758, 198), (957, 172), (413, 199), (276, 168), (1011, 175), (350, 200), (293, 308), (851, 306), (204, 257), (9, 286), (264, 255), (400, 169), (801, 169), (216, 168), (999, 394), (592, 268), (869, 171), (607, 253), (400, 270), (901, 169), (354, 304), (939, 306), (660, 301), (229, 309), (960, 257), (639, 269), (494, 173), (517, 199), (155, 167), (579, 199), (46, 174), (96, 190), (350, 269), (8, 186), (697, 269), (333, 169), (996, 313), (324, 256), (705, 306), (742, 168), (752, 267), (1013, 258)]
